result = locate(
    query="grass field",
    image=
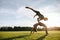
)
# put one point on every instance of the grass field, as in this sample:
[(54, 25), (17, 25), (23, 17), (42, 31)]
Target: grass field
[(25, 35)]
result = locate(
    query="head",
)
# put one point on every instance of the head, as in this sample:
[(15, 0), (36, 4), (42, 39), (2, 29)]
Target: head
[(45, 19)]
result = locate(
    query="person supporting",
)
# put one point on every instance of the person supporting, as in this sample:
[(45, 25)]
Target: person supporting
[(40, 24)]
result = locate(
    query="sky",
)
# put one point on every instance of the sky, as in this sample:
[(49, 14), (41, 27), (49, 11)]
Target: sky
[(14, 13)]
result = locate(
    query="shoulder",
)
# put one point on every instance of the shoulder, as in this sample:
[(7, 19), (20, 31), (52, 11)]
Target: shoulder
[(37, 11)]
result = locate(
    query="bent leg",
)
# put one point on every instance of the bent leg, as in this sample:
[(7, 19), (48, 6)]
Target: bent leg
[(41, 24), (45, 29), (34, 29)]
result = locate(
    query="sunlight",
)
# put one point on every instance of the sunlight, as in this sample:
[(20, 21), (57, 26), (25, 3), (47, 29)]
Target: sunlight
[(53, 20)]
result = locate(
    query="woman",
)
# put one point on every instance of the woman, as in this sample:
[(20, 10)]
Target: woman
[(40, 16)]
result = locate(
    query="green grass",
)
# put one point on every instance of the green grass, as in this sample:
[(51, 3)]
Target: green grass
[(25, 35)]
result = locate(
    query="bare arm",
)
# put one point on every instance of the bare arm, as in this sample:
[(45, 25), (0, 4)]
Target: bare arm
[(34, 16), (31, 9)]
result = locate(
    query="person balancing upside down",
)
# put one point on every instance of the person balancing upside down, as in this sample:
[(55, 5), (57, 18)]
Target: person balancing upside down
[(40, 17)]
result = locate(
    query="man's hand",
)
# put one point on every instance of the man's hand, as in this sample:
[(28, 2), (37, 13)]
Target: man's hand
[(28, 7)]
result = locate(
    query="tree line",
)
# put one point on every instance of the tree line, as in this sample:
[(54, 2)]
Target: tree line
[(25, 28), (16, 28)]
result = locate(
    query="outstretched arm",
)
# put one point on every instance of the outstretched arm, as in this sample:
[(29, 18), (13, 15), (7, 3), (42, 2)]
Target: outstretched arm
[(31, 9)]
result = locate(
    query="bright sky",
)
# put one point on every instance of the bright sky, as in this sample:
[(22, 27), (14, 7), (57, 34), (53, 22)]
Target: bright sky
[(14, 13)]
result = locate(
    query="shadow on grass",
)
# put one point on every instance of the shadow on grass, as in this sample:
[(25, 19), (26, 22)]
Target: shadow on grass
[(42, 37), (15, 37)]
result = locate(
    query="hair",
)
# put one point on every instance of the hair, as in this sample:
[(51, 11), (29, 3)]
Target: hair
[(45, 19)]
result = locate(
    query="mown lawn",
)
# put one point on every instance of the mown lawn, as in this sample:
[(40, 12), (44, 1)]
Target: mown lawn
[(25, 35)]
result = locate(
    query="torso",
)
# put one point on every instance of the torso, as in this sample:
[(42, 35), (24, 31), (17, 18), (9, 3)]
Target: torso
[(39, 14)]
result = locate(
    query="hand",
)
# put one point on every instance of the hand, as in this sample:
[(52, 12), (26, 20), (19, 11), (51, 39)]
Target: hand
[(28, 7)]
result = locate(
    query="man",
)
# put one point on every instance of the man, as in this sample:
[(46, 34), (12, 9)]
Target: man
[(40, 24), (40, 16)]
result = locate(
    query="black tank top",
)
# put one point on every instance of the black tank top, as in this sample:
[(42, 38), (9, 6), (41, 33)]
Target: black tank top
[(39, 14)]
